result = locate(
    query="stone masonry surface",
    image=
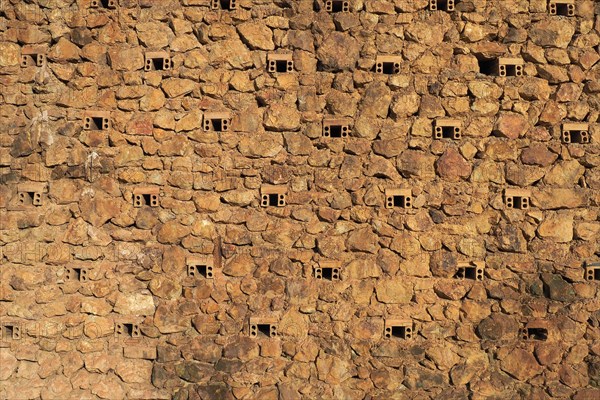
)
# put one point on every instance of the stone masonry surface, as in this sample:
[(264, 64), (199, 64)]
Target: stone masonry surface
[(300, 199)]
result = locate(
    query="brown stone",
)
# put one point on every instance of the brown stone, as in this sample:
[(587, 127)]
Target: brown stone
[(256, 35), (538, 154), (339, 51), (394, 292), (452, 166), (521, 364), (511, 125)]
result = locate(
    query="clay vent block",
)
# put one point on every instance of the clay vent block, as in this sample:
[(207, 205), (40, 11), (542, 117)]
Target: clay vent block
[(592, 271), (103, 3), (502, 66), (280, 62), (445, 5), (200, 266), (157, 61), (561, 7), (146, 196), (401, 198), (10, 331), (573, 132), (536, 330), (328, 270), (96, 120), (398, 329), (223, 4), (517, 198), (31, 194), (127, 330), (388, 64), (263, 327), (336, 127), (273, 196), (337, 5), (470, 270), (31, 56), (446, 128), (78, 274), (217, 121)]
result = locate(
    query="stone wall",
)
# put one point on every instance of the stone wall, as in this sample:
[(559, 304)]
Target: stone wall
[(287, 199)]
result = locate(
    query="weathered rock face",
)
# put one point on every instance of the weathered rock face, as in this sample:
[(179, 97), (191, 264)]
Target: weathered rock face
[(259, 199)]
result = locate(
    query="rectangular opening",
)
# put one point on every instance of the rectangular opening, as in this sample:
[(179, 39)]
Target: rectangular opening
[(335, 131), (103, 3), (264, 329), (511, 69), (28, 60), (517, 202), (563, 8), (223, 4), (395, 329), (487, 66), (203, 270), (327, 273), (399, 332), (142, 198), (593, 273), (74, 274), (27, 198), (537, 333), (158, 64), (400, 201), (128, 329), (273, 199), (281, 66), (447, 132), (147, 199), (273, 196), (445, 5), (466, 273), (337, 5), (388, 67), (400, 198), (576, 137), (96, 123), (11, 332)]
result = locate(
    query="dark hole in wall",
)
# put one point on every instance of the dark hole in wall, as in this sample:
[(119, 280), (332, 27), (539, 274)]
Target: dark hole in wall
[(388, 68), (487, 66), (399, 201), (470, 272), (265, 329), (562, 9), (399, 332), (158, 64), (128, 329), (327, 273), (217, 124), (337, 6), (226, 4), (537, 333), (448, 132), (335, 131), (202, 270), (273, 199), (7, 331), (281, 66)]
